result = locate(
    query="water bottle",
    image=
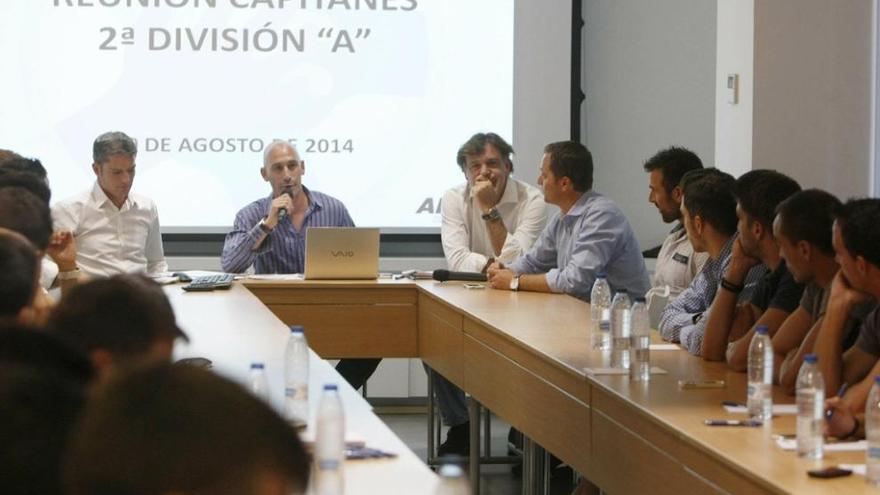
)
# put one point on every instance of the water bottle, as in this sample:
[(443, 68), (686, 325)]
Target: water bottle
[(296, 376), (621, 329), (810, 409), (872, 432), (259, 382), (600, 303), (330, 444), (452, 480), (640, 342), (760, 398)]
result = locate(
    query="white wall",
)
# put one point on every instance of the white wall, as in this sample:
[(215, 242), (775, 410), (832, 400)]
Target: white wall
[(735, 50), (649, 79), (541, 81), (813, 82)]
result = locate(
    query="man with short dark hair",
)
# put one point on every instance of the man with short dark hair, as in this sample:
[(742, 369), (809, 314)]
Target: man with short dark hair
[(802, 228), (121, 320), (115, 231), (589, 236), (856, 239), (167, 429), (708, 209), (677, 263), (758, 193)]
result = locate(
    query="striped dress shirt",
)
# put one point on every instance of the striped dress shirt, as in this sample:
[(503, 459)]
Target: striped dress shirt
[(677, 323), (284, 250)]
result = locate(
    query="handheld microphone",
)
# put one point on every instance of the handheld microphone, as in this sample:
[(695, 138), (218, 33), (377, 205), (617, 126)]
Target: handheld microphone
[(444, 275), (282, 214)]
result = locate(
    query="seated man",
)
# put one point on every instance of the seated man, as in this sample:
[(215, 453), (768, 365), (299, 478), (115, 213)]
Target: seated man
[(166, 429), (491, 216), (115, 231), (856, 238), (590, 235), (708, 208), (19, 275), (803, 230), (758, 193), (117, 321), (275, 242), (677, 263)]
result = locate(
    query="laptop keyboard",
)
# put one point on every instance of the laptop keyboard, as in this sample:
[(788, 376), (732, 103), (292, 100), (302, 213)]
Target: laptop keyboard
[(210, 282)]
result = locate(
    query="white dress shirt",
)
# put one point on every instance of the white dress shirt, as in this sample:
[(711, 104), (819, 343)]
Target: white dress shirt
[(677, 264), (111, 240), (465, 237)]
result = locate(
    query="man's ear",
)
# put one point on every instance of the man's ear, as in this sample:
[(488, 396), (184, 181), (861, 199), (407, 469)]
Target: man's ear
[(676, 194), (263, 174), (565, 183), (757, 229), (805, 249), (697, 222), (302, 164), (96, 169), (862, 266)]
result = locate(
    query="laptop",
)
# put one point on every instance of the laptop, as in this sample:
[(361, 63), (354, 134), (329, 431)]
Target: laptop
[(341, 253)]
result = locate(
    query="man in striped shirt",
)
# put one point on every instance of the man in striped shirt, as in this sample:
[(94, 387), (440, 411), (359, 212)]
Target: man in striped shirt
[(274, 242)]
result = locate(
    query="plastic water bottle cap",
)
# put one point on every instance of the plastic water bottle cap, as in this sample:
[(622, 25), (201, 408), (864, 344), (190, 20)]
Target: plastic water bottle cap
[(297, 329), (257, 366), (877, 379), (451, 471), (601, 275), (620, 291), (330, 386), (641, 299), (761, 330), (811, 358)]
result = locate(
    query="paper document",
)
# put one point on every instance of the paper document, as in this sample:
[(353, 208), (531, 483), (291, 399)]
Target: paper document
[(855, 468), (791, 444), (778, 409), (620, 371)]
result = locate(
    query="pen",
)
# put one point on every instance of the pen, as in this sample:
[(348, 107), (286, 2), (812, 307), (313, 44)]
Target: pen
[(830, 412), (732, 422)]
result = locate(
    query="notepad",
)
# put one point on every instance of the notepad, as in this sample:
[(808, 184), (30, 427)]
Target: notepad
[(855, 468), (778, 409), (620, 371), (277, 276)]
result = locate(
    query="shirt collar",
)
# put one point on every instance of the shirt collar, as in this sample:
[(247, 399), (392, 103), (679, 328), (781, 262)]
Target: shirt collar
[(678, 226), (99, 198), (580, 206)]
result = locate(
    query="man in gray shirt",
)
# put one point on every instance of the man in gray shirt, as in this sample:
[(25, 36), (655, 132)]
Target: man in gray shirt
[(589, 236)]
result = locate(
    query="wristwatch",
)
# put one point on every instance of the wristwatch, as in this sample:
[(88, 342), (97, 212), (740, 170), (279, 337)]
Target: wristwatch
[(69, 274), (492, 214), (514, 283)]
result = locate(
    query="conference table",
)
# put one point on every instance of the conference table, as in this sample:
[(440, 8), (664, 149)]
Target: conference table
[(233, 329), (525, 355)]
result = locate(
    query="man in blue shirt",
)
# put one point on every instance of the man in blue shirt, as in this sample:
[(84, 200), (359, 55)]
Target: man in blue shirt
[(274, 242), (589, 236)]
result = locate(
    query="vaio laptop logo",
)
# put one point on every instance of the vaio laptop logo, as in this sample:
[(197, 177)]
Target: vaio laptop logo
[(342, 254)]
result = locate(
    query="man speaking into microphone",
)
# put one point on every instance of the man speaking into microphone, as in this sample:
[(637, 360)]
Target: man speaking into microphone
[(270, 233)]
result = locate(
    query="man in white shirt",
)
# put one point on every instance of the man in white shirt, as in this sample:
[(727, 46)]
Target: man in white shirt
[(677, 263), (115, 231), (491, 216)]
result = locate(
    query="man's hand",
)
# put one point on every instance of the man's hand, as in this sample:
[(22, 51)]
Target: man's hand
[(282, 202), (843, 295), (499, 278), (842, 421), (740, 263), (484, 194), (62, 250)]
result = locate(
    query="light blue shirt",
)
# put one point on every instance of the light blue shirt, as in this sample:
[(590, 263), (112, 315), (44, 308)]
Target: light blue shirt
[(594, 236)]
